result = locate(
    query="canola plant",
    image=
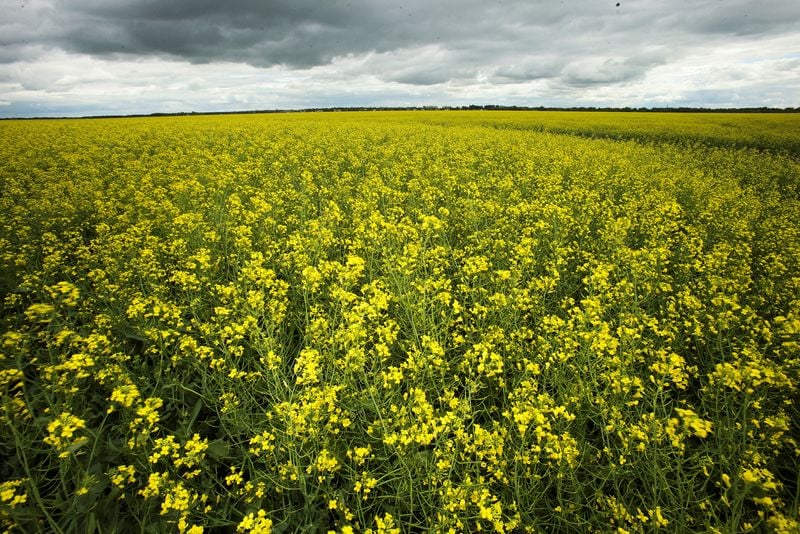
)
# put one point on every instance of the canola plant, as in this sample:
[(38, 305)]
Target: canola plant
[(400, 322)]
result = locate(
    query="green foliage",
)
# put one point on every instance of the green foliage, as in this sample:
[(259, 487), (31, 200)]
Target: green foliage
[(400, 321)]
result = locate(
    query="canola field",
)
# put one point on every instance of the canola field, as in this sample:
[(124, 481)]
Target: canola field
[(400, 322)]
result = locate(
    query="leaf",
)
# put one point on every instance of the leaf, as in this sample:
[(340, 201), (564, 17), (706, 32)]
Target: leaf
[(92, 524), (218, 449), (198, 405)]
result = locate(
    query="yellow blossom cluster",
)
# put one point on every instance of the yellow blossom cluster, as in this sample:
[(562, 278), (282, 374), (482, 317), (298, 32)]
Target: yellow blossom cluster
[(63, 434), (401, 322)]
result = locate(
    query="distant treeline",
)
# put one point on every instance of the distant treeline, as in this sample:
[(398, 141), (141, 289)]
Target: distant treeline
[(473, 107), (492, 107)]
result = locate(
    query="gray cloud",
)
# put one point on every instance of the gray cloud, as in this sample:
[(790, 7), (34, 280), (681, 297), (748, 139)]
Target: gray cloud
[(505, 49), (600, 70), (304, 33)]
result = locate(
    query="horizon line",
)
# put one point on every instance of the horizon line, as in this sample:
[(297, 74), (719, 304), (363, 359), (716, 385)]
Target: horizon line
[(471, 107)]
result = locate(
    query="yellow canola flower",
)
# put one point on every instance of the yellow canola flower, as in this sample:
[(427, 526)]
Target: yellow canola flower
[(325, 463), (235, 478), (66, 292), (184, 528), (178, 499), (255, 523), (194, 452), (145, 420), (490, 307), (11, 379), (311, 278), (123, 475), (307, 367), (164, 448), (62, 433), (761, 477), (699, 426), (384, 525), (126, 395), (365, 485), (155, 483), (658, 518), (39, 313), (13, 493), (263, 443), (359, 454), (12, 339)]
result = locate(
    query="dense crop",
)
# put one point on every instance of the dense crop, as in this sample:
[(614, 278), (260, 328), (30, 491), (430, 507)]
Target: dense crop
[(775, 132), (397, 322)]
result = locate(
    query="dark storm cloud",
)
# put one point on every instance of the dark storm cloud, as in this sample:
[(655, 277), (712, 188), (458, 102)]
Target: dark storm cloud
[(297, 34), (305, 33), (293, 33), (513, 51)]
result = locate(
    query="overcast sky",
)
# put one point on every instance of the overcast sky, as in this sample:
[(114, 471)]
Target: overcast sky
[(86, 57)]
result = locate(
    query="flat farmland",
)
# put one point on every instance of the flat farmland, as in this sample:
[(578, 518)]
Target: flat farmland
[(401, 322)]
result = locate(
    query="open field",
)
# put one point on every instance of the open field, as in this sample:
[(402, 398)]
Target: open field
[(391, 322), (770, 131)]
